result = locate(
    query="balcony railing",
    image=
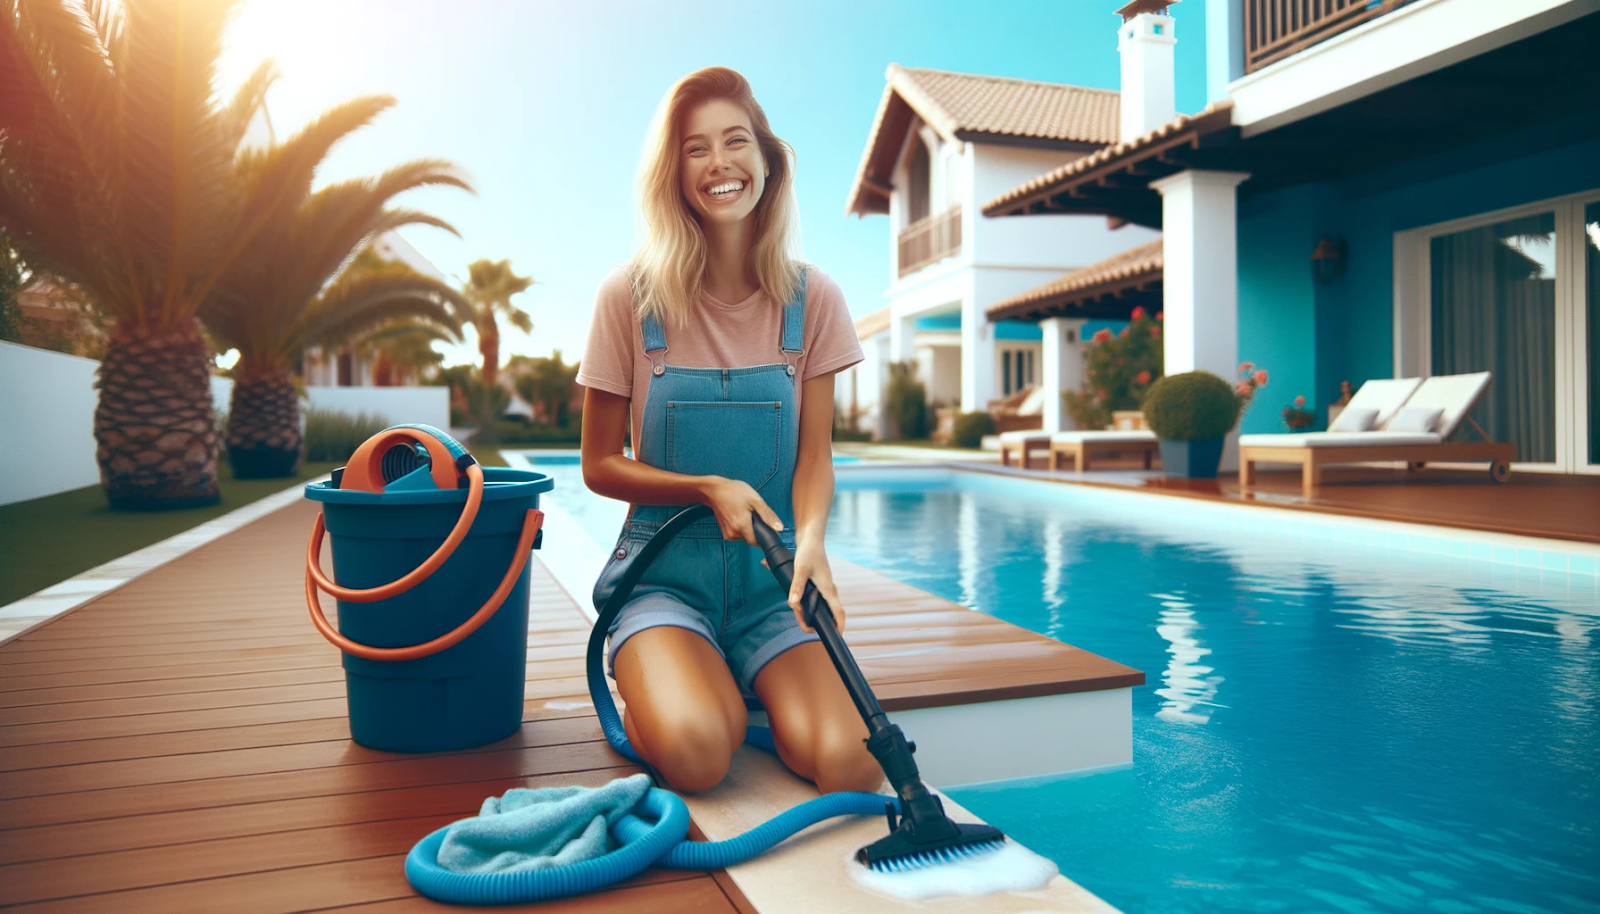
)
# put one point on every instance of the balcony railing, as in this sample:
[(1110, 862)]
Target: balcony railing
[(930, 240), (1275, 29)]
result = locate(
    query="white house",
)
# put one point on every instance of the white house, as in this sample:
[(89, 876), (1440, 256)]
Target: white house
[(941, 144)]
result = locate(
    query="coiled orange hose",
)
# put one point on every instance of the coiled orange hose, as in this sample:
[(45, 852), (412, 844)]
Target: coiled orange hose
[(315, 578)]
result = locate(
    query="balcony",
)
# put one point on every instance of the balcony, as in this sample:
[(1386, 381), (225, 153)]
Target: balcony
[(1275, 29), (928, 241)]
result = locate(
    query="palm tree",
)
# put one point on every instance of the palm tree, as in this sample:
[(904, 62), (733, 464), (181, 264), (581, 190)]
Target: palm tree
[(490, 286), (269, 308), (276, 298), (116, 168), (402, 350)]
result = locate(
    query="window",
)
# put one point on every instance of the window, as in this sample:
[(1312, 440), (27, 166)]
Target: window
[(917, 181), (1005, 373)]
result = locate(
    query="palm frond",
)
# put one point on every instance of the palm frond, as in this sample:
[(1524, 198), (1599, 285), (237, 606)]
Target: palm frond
[(174, 160), (356, 306), (404, 331), (519, 319), (274, 181), (247, 102)]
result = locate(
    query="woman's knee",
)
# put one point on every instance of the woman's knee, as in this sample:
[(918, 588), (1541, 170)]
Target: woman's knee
[(843, 763), (691, 750)]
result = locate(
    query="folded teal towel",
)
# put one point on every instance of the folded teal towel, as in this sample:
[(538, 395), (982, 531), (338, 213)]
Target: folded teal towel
[(539, 829)]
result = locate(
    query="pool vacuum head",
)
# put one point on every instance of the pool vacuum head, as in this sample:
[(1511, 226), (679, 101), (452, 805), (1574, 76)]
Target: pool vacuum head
[(921, 835)]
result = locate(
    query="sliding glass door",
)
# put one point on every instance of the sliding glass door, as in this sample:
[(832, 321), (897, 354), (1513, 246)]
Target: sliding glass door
[(1518, 295), (1494, 309)]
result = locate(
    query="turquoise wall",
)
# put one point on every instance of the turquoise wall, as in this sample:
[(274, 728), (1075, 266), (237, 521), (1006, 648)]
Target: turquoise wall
[(1311, 336)]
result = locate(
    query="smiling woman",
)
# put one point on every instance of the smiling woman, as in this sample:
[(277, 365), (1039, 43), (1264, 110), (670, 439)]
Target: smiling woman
[(738, 416)]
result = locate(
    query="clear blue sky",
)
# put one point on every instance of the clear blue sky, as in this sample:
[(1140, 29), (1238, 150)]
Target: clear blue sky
[(545, 105)]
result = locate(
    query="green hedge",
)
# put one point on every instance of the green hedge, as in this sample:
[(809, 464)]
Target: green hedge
[(1193, 406), (906, 399), (506, 432), (969, 428), (332, 436)]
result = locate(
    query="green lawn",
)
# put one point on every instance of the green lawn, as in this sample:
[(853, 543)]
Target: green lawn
[(47, 540)]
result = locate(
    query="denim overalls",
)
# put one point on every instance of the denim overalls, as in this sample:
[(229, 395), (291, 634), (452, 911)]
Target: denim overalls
[(740, 423)]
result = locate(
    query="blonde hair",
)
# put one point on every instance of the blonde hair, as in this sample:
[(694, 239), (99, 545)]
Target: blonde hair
[(668, 269)]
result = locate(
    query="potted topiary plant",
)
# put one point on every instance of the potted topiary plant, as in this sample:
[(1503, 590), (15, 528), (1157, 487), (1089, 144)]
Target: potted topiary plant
[(1191, 413)]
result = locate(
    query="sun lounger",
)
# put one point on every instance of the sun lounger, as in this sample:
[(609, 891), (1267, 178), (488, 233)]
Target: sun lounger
[(1022, 444), (1418, 431), (1079, 446)]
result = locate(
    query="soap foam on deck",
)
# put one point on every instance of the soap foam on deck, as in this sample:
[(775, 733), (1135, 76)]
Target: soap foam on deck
[(1009, 868)]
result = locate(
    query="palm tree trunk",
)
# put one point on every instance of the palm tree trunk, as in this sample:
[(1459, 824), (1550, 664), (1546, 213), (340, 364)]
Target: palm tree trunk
[(154, 424), (264, 440)]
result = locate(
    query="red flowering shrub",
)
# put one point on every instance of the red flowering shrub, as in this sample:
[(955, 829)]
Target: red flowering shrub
[(1117, 371)]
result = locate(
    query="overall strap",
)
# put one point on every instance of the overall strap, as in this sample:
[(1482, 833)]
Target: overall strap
[(655, 336), (794, 322)]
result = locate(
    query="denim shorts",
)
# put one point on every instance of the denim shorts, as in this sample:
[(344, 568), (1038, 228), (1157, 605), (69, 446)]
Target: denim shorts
[(710, 586)]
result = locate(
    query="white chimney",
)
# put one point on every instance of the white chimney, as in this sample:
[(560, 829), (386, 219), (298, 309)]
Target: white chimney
[(1145, 42)]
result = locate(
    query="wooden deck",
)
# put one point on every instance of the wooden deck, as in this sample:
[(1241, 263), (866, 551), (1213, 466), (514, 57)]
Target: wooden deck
[(180, 744), (1559, 506)]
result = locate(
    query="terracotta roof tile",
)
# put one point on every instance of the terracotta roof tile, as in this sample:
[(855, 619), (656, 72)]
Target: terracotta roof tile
[(872, 324), (1011, 107), (968, 104), (1145, 260)]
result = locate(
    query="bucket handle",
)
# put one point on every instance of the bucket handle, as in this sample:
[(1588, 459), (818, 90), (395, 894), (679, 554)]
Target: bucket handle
[(530, 528)]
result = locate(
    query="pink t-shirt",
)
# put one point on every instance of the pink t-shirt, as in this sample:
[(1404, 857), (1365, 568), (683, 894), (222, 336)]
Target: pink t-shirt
[(718, 335)]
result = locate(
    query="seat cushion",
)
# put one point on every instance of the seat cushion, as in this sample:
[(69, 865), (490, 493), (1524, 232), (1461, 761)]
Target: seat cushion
[(1415, 419), (1355, 419), (1130, 436), (1340, 439), (1031, 435)]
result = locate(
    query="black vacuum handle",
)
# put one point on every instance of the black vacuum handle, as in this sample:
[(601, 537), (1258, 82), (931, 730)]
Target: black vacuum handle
[(819, 615)]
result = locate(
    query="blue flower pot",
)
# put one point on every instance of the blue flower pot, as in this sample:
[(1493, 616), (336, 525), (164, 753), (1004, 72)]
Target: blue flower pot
[(1192, 459)]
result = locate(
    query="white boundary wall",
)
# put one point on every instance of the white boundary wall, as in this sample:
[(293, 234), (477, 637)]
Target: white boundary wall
[(47, 415), (47, 402)]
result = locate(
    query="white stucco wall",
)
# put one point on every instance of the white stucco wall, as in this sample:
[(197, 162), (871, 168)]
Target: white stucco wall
[(1059, 243), (47, 411)]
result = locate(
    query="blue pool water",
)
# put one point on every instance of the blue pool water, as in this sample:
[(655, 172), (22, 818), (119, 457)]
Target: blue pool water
[(1324, 726), (1320, 729)]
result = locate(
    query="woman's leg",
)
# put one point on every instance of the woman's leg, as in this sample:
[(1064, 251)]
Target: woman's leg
[(684, 714), (819, 732)]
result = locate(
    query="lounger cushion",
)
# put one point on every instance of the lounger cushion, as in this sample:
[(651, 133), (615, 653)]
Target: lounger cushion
[(1415, 419), (1032, 435), (1355, 419), (1129, 436), (1340, 439), (1454, 394), (1386, 395)]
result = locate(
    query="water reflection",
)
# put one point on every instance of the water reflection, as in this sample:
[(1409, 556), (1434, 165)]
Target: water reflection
[(1188, 686)]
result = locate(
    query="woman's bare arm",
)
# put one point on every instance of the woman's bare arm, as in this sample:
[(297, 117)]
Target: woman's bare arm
[(813, 494), (606, 471)]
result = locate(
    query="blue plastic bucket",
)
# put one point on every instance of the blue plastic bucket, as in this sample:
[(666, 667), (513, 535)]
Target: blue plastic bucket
[(470, 693)]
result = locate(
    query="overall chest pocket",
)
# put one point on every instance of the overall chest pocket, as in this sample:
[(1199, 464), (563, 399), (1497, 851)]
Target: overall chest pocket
[(738, 440)]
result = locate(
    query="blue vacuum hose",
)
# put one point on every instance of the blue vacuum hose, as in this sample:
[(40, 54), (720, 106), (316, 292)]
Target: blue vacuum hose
[(656, 831)]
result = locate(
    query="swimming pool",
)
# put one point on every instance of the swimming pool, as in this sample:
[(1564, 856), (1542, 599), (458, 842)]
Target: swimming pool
[(1338, 715), (1325, 726)]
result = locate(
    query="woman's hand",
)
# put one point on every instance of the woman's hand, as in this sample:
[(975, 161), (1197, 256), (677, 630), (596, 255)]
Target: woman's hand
[(811, 564), (732, 500)]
